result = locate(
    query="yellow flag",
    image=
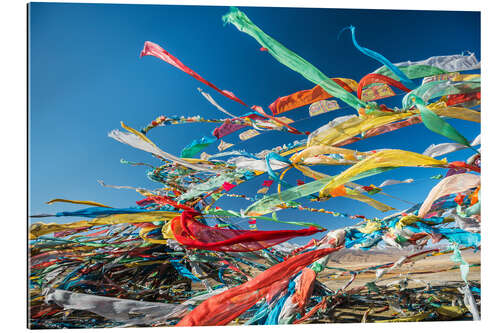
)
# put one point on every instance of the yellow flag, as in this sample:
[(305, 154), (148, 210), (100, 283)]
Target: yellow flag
[(80, 202), (385, 158), (39, 229), (353, 127)]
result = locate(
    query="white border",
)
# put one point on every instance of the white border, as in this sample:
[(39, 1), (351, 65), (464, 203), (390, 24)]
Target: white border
[(13, 162)]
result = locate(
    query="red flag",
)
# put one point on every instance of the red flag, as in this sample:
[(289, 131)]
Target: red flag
[(221, 309), (228, 186), (193, 234), (156, 50), (267, 183)]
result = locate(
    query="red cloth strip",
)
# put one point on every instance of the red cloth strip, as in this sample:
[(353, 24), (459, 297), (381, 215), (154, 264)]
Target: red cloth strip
[(303, 97), (221, 309), (194, 234), (156, 50), (460, 164), (378, 78)]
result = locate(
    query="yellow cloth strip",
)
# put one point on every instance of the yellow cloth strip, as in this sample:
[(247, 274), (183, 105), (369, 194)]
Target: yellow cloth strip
[(145, 263), (312, 151), (350, 82), (417, 317), (355, 195), (139, 134), (385, 158), (326, 161), (166, 231), (79, 202), (451, 312), (370, 227), (441, 109), (144, 231), (465, 77), (308, 172), (407, 220), (353, 127), (39, 229), (281, 178), (196, 160), (410, 219), (349, 193), (292, 151)]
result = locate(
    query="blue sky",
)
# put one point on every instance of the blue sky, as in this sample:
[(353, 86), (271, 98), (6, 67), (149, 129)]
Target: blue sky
[(86, 76)]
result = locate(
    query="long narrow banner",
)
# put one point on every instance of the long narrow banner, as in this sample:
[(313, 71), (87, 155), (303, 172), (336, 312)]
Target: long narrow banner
[(80, 202), (306, 97), (156, 50), (379, 162), (140, 141), (223, 308), (433, 66), (316, 94), (214, 103), (383, 159), (194, 234), (39, 228), (380, 58), (126, 311), (290, 59)]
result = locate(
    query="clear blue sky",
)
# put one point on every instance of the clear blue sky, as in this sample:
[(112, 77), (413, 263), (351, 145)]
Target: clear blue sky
[(86, 76)]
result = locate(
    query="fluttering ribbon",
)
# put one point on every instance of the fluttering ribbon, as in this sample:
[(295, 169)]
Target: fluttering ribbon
[(194, 234), (156, 50), (289, 58), (380, 58), (223, 308)]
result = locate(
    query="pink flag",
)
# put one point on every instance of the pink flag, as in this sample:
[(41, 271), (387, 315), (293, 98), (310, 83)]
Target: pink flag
[(267, 183), (153, 49), (228, 186), (226, 128)]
